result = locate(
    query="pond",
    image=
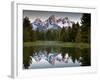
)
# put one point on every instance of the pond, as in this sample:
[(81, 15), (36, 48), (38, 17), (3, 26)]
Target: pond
[(38, 57)]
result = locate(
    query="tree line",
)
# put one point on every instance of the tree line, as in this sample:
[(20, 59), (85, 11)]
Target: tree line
[(76, 33)]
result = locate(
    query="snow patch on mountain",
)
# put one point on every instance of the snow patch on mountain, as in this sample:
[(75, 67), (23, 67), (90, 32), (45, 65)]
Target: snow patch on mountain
[(51, 23)]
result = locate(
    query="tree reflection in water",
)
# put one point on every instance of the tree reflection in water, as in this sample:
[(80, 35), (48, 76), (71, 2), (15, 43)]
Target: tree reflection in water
[(51, 54)]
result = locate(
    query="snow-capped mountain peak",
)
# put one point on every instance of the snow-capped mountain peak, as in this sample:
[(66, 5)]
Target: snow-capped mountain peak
[(51, 23)]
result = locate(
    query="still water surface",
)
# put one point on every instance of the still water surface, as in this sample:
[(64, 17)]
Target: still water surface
[(38, 57)]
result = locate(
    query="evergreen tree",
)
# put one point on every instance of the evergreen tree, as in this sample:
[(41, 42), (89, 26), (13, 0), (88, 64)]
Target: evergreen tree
[(85, 28), (69, 32), (26, 23), (78, 36), (27, 28), (28, 33), (63, 36), (75, 28)]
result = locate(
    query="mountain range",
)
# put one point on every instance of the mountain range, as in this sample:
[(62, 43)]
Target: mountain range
[(51, 23)]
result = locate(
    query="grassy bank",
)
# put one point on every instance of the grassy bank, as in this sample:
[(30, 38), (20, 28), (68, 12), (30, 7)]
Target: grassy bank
[(56, 43)]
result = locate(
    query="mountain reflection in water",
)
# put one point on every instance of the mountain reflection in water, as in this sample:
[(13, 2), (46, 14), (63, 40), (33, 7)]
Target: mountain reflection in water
[(55, 57)]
